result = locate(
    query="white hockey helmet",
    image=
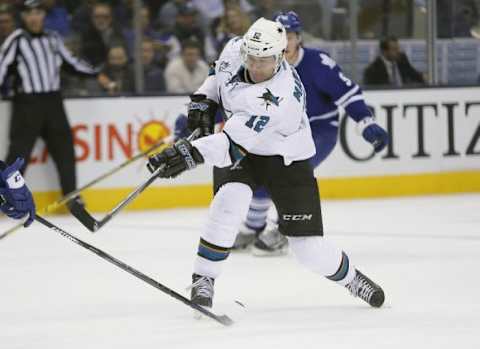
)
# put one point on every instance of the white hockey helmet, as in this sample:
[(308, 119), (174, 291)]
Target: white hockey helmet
[(264, 38)]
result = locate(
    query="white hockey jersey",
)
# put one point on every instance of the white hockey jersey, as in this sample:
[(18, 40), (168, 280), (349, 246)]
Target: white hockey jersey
[(266, 118)]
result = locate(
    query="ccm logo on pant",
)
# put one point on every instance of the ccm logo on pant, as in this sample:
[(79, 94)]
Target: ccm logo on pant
[(297, 217)]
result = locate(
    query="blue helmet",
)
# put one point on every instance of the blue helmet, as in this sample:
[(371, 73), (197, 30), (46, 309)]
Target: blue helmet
[(289, 20)]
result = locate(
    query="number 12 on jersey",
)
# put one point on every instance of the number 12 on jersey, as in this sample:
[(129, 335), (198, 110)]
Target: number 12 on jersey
[(257, 123)]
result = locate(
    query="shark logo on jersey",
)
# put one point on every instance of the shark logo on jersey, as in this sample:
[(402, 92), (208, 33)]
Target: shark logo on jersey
[(269, 99), (224, 65), (233, 82)]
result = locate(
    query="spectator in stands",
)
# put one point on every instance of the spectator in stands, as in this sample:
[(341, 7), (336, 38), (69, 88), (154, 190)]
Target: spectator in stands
[(456, 18), (243, 4), (266, 8), (391, 67), (186, 26), (57, 17), (168, 12), (152, 73), (212, 10), (7, 22), (154, 5), (123, 13), (81, 17), (100, 35), (74, 84), (185, 74), (233, 23), (166, 45), (118, 71)]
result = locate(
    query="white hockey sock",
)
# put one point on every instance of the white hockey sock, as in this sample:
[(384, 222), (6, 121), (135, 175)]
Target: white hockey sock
[(227, 211), (322, 257)]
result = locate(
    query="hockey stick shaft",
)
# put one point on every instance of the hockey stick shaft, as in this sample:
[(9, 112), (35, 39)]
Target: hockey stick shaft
[(87, 220), (58, 203), (127, 200), (223, 319)]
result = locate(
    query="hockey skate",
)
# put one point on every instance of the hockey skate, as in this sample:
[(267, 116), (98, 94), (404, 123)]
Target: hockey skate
[(202, 290), (364, 288), (270, 243), (245, 237)]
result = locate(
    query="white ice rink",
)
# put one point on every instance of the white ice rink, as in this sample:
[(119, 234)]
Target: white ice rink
[(425, 253)]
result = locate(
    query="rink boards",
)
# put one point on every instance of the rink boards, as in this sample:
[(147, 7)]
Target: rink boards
[(435, 148)]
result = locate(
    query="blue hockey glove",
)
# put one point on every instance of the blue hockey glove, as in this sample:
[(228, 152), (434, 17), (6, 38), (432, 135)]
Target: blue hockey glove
[(373, 133), (16, 200), (175, 159)]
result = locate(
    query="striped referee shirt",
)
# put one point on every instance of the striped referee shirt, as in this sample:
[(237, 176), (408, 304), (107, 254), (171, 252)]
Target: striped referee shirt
[(36, 59)]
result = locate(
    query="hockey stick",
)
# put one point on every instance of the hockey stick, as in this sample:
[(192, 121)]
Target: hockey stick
[(223, 319), (56, 204), (89, 222)]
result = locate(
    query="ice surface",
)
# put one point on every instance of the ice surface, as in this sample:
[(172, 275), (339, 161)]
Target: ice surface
[(425, 252)]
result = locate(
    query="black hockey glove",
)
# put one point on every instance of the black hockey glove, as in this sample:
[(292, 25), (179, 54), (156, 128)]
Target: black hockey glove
[(175, 159), (201, 114)]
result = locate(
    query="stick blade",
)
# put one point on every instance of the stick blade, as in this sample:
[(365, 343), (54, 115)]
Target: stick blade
[(81, 214), (225, 320)]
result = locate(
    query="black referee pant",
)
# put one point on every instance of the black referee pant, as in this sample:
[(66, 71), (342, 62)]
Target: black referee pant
[(43, 115)]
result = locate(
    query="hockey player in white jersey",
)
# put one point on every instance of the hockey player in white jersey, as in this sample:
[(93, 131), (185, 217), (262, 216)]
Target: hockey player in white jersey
[(266, 141)]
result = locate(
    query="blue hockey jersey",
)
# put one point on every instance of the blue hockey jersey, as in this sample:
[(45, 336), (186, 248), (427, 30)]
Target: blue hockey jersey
[(328, 89)]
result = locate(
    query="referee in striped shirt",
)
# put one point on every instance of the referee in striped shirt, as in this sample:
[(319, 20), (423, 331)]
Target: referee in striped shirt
[(34, 57)]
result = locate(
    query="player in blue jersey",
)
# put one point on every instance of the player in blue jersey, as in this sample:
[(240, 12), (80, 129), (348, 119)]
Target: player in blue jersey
[(15, 198), (327, 90)]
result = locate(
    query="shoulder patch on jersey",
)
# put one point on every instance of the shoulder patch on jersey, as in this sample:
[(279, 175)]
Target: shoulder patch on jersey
[(269, 99), (327, 60)]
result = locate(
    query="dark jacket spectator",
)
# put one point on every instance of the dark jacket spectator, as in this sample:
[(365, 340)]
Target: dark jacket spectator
[(100, 35), (152, 73), (391, 67), (81, 16), (456, 18), (187, 27), (118, 70), (123, 13), (57, 18), (119, 73)]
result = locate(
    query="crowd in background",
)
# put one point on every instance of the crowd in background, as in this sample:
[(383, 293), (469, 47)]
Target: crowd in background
[(181, 37)]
